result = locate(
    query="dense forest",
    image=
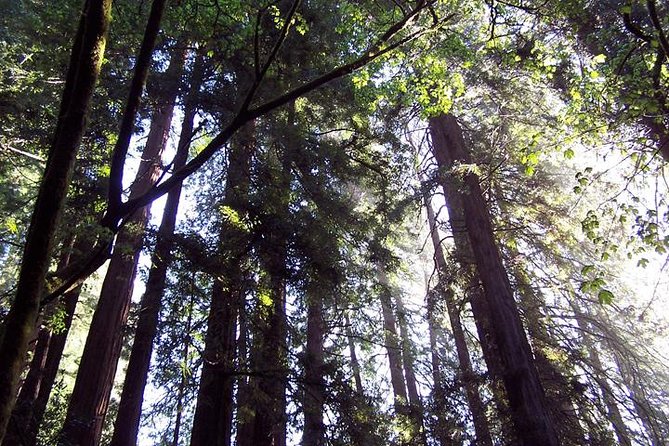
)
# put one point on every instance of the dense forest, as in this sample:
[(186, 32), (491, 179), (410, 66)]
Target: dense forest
[(369, 222)]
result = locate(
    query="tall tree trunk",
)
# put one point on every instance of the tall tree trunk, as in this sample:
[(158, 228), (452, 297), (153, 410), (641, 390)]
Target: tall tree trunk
[(212, 424), (392, 345), (480, 308), (355, 365), (36, 388), (531, 416), (270, 340), (442, 431), (244, 404), (183, 382), (85, 61), (314, 385), (614, 415), (467, 375), (95, 377), (559, 392), (408, 361), (126, 426), (356, 410)]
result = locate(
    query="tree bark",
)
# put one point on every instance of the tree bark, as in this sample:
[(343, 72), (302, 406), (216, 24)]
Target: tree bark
[(531, 416), (392, 345), (95, 377), (467, 376), (36, 388), (126, 426), (314, 385), (85, 62)]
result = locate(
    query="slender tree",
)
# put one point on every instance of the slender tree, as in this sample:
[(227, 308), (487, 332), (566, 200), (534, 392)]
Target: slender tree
[(92, 390), (85, 62), (126, 425), (468, 377), (212, 424)]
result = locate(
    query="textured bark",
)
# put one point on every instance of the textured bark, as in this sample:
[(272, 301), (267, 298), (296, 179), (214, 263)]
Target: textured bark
[(95, 377), (212, 424), (530, 414), (85, 62), (126, 425), (467, 375), (314, 385), (392, 346), (480, 308), (36, 388)]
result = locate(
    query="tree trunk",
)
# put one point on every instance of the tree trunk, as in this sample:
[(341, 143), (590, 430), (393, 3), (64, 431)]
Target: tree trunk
[(408, 361), (314, 385), (85, 62), (355, 365), (36, 388), (126, 426), (468, 377), (270, 340), (559, 392), (442, 430), (614, 415), (531, 417), (244, 404), (392, 345), (95, 377), (184, 375), (212, 424)]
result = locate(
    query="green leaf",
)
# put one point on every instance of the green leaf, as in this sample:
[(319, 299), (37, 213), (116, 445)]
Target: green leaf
[(605, 297), (587, 269)]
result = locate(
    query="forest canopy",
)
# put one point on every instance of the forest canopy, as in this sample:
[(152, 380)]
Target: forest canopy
[(371, 222)]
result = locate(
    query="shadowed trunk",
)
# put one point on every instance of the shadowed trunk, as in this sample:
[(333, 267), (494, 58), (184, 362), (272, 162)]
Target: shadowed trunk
[(36, 388), (314, 386), (126, 425), (212, 424), (95, 377), (408, 362), (467, 376), (467, 271), (531, 417), (615, 417), (15, 334), (401, 400)]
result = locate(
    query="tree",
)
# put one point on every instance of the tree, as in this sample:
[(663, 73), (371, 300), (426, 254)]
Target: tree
[(531, 417), (85, 63)]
